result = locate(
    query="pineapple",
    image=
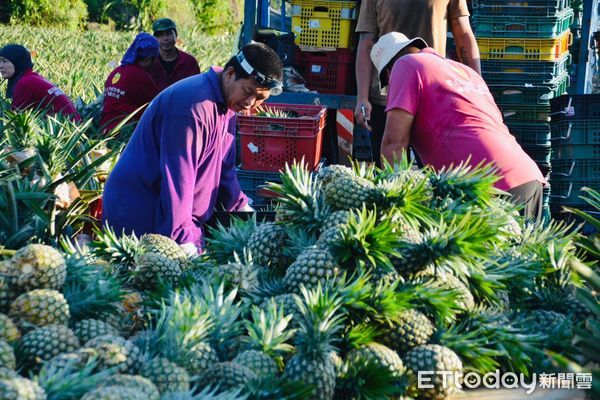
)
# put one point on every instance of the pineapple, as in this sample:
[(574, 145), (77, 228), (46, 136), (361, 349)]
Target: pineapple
[(154, 243), (313, 266), (20, 389), (328, 237), (40, 307), (115, 249), (44, 343), (88, 329), (138, 383), (114, 392), (9, 289), (201, 357), (266, 340), (39, 267), (8, 329), (378, 354), (336, 218), (115, 351), (332, 172), (410, 329), (433, 357), (7, 355), (228, 375), (267, 244), (167, 376), (318, 325), (152, 267), (238, 274), (348, 193), (258, 362)]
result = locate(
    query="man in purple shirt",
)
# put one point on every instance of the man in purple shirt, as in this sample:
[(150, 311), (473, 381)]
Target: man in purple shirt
[(179, 163)]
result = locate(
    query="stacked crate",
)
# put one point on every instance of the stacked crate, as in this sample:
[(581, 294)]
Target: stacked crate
[(524, 60), (576, 149), (325, 36), (270, 138)]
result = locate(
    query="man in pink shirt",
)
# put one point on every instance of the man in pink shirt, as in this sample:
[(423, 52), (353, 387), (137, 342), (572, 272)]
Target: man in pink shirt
[(446, 113)]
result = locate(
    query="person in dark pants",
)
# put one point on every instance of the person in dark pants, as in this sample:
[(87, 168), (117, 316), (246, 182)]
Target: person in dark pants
[(172, 64), (429, 19), (444, 110)]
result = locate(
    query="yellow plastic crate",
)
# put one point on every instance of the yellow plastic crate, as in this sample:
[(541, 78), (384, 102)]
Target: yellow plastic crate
[(324, 23), (525, 49)]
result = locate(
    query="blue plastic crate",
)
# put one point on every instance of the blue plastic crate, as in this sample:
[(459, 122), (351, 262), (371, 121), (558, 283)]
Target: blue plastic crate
[(522, 72), (519, 7), (522, 26), (252, 184)]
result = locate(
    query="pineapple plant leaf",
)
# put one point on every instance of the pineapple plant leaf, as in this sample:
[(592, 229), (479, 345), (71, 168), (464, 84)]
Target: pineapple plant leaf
[(223, 242), (300, 199)]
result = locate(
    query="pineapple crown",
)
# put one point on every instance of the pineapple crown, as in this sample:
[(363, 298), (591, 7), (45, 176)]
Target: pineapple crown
[(181, 325), (464, 183), (268, 330), (367, 379), (72, 380), (115, 249), (319, 322), (222, 242), (487, 339), (224, 309), (300, 199), (453, 245), (365, 240)]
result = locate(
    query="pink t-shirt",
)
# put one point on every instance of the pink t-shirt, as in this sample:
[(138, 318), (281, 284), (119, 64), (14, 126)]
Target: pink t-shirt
[(456, 118)]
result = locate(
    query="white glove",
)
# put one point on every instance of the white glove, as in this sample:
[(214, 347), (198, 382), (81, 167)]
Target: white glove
[(189, 249), (247, 208)]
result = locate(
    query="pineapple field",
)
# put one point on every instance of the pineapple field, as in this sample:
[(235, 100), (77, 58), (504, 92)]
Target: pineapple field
[(358, 282)]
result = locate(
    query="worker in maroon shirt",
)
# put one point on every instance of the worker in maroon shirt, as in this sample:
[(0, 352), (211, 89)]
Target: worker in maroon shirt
[(28, 89), (172, 64), (130, 87)]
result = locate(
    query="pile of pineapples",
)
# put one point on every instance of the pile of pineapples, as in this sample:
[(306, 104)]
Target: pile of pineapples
[(365, 277)]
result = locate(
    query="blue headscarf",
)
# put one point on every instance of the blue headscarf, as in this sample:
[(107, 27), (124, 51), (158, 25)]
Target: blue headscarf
[(20, 57), (144, 45)]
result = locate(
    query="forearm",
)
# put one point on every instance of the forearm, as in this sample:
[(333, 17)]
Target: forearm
[(393, 150), (364, 66), (466, 45)]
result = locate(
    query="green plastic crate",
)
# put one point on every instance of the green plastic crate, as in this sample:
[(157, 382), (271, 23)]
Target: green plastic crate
[(524, 114), (531, 134), (579, 131), (576, 151), (565, 169), (530, 93), (522, 26), (522, 72)]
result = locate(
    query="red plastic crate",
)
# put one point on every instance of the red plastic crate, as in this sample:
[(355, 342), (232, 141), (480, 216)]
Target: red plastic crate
[(267, 144), (328, 71)]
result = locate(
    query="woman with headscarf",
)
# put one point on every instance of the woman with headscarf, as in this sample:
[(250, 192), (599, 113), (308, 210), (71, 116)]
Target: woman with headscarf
[(130, 85), (28, 89)]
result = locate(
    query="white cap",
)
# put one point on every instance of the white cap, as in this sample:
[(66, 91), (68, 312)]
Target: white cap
[(388, 46)]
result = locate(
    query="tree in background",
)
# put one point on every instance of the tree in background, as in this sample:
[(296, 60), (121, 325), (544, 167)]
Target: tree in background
[(60, 13)]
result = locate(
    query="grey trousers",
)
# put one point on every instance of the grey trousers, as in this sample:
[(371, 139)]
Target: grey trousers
[(530, 196)]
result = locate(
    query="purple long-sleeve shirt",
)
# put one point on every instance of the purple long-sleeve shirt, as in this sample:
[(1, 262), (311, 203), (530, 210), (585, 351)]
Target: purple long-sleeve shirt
[(178, 164)]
